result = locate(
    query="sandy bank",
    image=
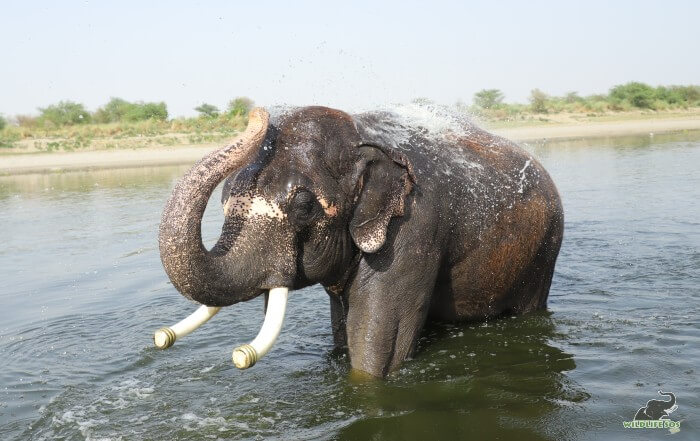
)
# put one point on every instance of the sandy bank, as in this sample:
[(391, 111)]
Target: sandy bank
[(96, 159), (599, 129)]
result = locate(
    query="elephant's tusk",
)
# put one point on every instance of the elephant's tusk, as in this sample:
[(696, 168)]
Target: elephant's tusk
[(246, 356), (165, 337)]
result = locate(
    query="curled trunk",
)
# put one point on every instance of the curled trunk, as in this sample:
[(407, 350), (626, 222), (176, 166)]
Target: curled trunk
[(672, 401), (197, 273)]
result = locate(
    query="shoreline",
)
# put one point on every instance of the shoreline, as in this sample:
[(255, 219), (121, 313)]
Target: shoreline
[(26, 163), (602, 129)]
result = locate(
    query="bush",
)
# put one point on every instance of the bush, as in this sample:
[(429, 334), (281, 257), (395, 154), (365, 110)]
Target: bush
[(119, 110), (488, 98), (65, 113), (114, 111), (690, 94), (3, 122), (240, 106), (679, 95), (146, 111), (538, 101), (669, 95), (207, 110), (637, 94)]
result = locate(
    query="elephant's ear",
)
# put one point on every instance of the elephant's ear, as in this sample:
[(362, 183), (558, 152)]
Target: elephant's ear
[(385, 180)]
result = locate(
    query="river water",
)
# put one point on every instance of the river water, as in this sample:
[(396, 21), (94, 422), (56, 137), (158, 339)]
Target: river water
[(82, 290)]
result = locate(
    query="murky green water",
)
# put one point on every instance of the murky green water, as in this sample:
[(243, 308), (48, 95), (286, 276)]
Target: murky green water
[(82, 289)]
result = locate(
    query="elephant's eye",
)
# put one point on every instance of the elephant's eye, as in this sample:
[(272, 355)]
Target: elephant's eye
[(303, 205)]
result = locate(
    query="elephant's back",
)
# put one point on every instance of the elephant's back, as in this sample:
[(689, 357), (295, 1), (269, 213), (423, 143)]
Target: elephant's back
[(477, 177), (498, 212), (470, 176), (506, 229)]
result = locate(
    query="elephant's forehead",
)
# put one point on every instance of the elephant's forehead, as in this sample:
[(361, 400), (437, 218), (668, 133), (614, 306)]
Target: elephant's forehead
[(250, 206)]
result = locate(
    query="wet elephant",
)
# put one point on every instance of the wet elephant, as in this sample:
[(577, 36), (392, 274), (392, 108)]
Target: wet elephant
[(399, 222)]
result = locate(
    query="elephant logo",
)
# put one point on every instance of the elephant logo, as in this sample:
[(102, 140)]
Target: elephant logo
[(657, 409)]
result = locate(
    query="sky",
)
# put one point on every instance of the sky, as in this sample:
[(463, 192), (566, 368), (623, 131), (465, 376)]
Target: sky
[(350, 55)]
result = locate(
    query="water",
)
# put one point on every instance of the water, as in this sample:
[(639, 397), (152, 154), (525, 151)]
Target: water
[(82, 289)]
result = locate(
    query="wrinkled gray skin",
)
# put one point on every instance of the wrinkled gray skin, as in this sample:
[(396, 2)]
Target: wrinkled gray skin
[(398, 225)]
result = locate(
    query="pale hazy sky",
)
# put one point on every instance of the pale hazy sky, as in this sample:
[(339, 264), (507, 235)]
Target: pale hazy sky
[(350, 55)]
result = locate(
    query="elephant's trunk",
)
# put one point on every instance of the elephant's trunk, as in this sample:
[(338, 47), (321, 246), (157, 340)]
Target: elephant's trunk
[(672, 401), (196, 272)]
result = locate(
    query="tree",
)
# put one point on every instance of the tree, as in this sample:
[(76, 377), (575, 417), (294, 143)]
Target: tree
[(64, 113), (488, 98), (207, 110), (240, 106), (3, 122), (538, 101)]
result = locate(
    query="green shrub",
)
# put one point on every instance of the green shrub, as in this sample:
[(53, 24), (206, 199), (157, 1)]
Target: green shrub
[(114, 111), (669, 95), (65, 113), (147, 111), (488, 98), (660, 104), (240, 106), (679, 95), (3, 122), (538, 101), (690, 94), (119, 110), (636, 94)]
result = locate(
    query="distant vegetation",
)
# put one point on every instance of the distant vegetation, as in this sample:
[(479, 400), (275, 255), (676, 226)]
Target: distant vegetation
[(240, 106), (622, 98), (69, 125), (119, 123), (119, 110), (207, 110)]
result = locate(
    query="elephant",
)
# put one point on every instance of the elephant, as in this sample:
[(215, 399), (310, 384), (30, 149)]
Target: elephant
[(401, 222), (657, 409)]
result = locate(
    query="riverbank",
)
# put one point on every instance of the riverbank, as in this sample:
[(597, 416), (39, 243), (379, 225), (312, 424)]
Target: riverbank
[(21, 163), (528, 131), (595, 129)]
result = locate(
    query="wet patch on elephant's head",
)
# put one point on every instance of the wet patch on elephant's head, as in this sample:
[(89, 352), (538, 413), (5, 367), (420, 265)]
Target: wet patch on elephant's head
[(318, 139)]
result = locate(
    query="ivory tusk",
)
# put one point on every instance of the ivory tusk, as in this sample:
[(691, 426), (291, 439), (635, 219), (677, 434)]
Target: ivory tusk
[(246, 356), (165, 337)]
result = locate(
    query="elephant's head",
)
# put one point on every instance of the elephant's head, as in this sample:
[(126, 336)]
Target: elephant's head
[(305, 193)]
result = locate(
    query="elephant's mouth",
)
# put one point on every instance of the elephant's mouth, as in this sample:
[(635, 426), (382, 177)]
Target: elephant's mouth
[(244, 356), (230, 299)]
